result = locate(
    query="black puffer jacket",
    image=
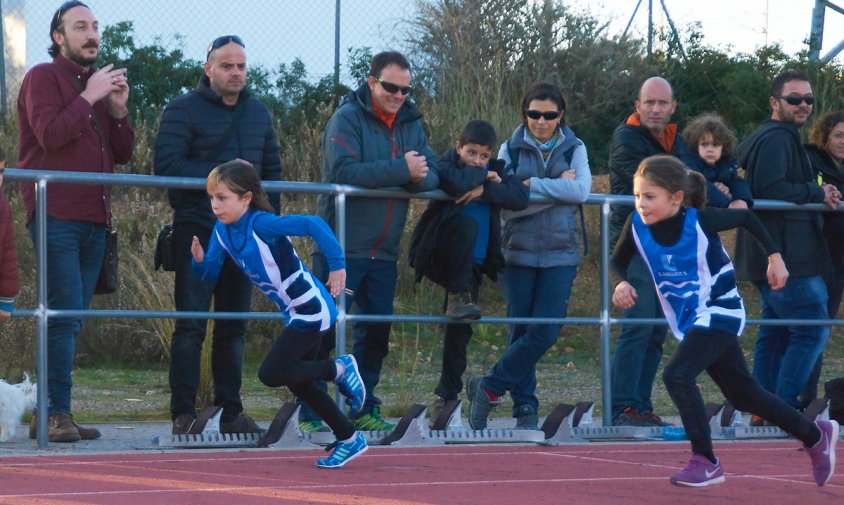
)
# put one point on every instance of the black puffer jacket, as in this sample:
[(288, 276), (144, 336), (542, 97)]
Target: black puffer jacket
[(457, 179), (630, 144), (830, 172), (191, 128)]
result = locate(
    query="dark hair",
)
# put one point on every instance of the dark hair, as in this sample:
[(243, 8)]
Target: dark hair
[(819, 134), (790, 75), (670, 173), (56, 24), (384, 59), (544, 91), (713, 125), (2, 155), (478, 131), (240, 177)]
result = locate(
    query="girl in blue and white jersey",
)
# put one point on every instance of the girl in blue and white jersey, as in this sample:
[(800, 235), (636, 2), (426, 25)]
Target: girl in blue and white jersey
[(259, 244), (696, 285)]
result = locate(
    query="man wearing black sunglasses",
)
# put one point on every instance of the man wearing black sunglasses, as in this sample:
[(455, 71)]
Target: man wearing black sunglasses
[(375, 139), (72, 117), (777, 167), (217, 122)]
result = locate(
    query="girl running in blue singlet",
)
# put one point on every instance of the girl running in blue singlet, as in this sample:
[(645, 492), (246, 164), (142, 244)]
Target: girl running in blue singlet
[(696, 285), (259, 244)]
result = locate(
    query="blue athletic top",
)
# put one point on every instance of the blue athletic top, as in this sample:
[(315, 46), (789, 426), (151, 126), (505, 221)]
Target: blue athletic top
[(694, 278), (259, 244)]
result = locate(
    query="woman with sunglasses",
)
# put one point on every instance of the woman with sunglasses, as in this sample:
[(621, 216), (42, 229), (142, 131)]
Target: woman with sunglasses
[(541, 252)]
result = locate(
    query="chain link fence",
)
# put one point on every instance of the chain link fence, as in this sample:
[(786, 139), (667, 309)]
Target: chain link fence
[(275, 31)]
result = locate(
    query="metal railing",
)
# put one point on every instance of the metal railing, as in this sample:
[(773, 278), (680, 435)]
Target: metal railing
[(604, 320)]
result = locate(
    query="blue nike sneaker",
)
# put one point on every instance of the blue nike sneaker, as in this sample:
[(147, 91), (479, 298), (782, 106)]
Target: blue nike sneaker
[(343, 452), (351, 383)]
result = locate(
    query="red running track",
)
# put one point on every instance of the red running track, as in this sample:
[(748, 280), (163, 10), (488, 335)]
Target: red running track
[(596, 473)]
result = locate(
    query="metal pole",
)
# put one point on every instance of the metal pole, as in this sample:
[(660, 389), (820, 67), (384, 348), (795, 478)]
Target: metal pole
[(816, 31), (340, 325), (630, 22), (673, 29), (606, 378), (41, 259), (337, 44), (3, 97), (650, 31)]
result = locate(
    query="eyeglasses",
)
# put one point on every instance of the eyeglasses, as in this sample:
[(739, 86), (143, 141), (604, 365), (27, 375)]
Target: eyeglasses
[(62, 10), (549, 116), (221, 41), (393, 88), (797, 99)]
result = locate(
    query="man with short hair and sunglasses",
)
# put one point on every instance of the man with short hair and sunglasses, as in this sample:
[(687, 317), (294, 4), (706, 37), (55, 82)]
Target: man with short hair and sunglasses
[(375, 139), (72, 117), (646, 132), (219, 121), (777, 168)]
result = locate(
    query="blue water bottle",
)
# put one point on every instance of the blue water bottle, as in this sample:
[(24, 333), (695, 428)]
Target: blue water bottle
[(674, 433)]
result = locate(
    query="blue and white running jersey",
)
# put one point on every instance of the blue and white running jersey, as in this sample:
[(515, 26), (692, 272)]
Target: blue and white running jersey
[(259, 244), (694, 278)]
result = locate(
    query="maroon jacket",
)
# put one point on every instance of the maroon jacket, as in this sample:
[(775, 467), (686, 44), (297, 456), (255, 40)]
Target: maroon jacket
[(57, 132), (8, 257)]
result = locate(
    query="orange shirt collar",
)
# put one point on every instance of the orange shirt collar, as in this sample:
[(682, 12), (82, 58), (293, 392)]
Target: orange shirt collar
[(666, 140), (388, 119)]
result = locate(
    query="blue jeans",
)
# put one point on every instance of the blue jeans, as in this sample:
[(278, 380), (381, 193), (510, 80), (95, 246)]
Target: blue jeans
[(373, 283), (232, 293), (74, 256), (786, 355), (638, 350), (529, 292)]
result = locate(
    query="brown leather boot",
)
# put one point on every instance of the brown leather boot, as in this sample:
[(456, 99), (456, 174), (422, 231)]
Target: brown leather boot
[(62, 429), (86, 433), (59, 431)]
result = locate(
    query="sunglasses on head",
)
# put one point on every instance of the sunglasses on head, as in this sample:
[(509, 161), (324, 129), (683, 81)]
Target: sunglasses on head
[(797, 99), (221, 41), (63, 8), (393, 88), (535, 114)]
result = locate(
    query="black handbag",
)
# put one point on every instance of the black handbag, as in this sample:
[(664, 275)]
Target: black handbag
[(165, 250), (107, 281)]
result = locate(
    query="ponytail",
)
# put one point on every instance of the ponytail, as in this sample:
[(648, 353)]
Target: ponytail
[(670, 173), (695, 190)]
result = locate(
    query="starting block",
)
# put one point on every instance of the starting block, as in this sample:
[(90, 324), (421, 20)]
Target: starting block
[(728, 424), (205, 433), (412, 429), (284, 432)]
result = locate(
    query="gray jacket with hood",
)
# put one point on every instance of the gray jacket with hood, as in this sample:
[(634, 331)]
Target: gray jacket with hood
[(361, 150)]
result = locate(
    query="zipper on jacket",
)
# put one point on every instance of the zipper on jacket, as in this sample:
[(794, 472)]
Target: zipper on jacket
[(386, 228)]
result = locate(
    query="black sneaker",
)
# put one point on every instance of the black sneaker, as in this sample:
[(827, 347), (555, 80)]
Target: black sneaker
[(631, 417), (183, 423), (655, 420), (526, 418), (461, 306), (479, 403), (241, 424)]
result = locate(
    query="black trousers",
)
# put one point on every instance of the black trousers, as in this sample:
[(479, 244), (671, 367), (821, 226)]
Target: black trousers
[(453, 267), (720, 355), (292, 362)]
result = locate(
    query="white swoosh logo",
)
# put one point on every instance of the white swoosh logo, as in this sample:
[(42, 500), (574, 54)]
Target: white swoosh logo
[(710, 474)]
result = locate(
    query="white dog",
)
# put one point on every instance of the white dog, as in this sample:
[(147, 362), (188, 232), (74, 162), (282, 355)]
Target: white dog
[(14, 400)]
